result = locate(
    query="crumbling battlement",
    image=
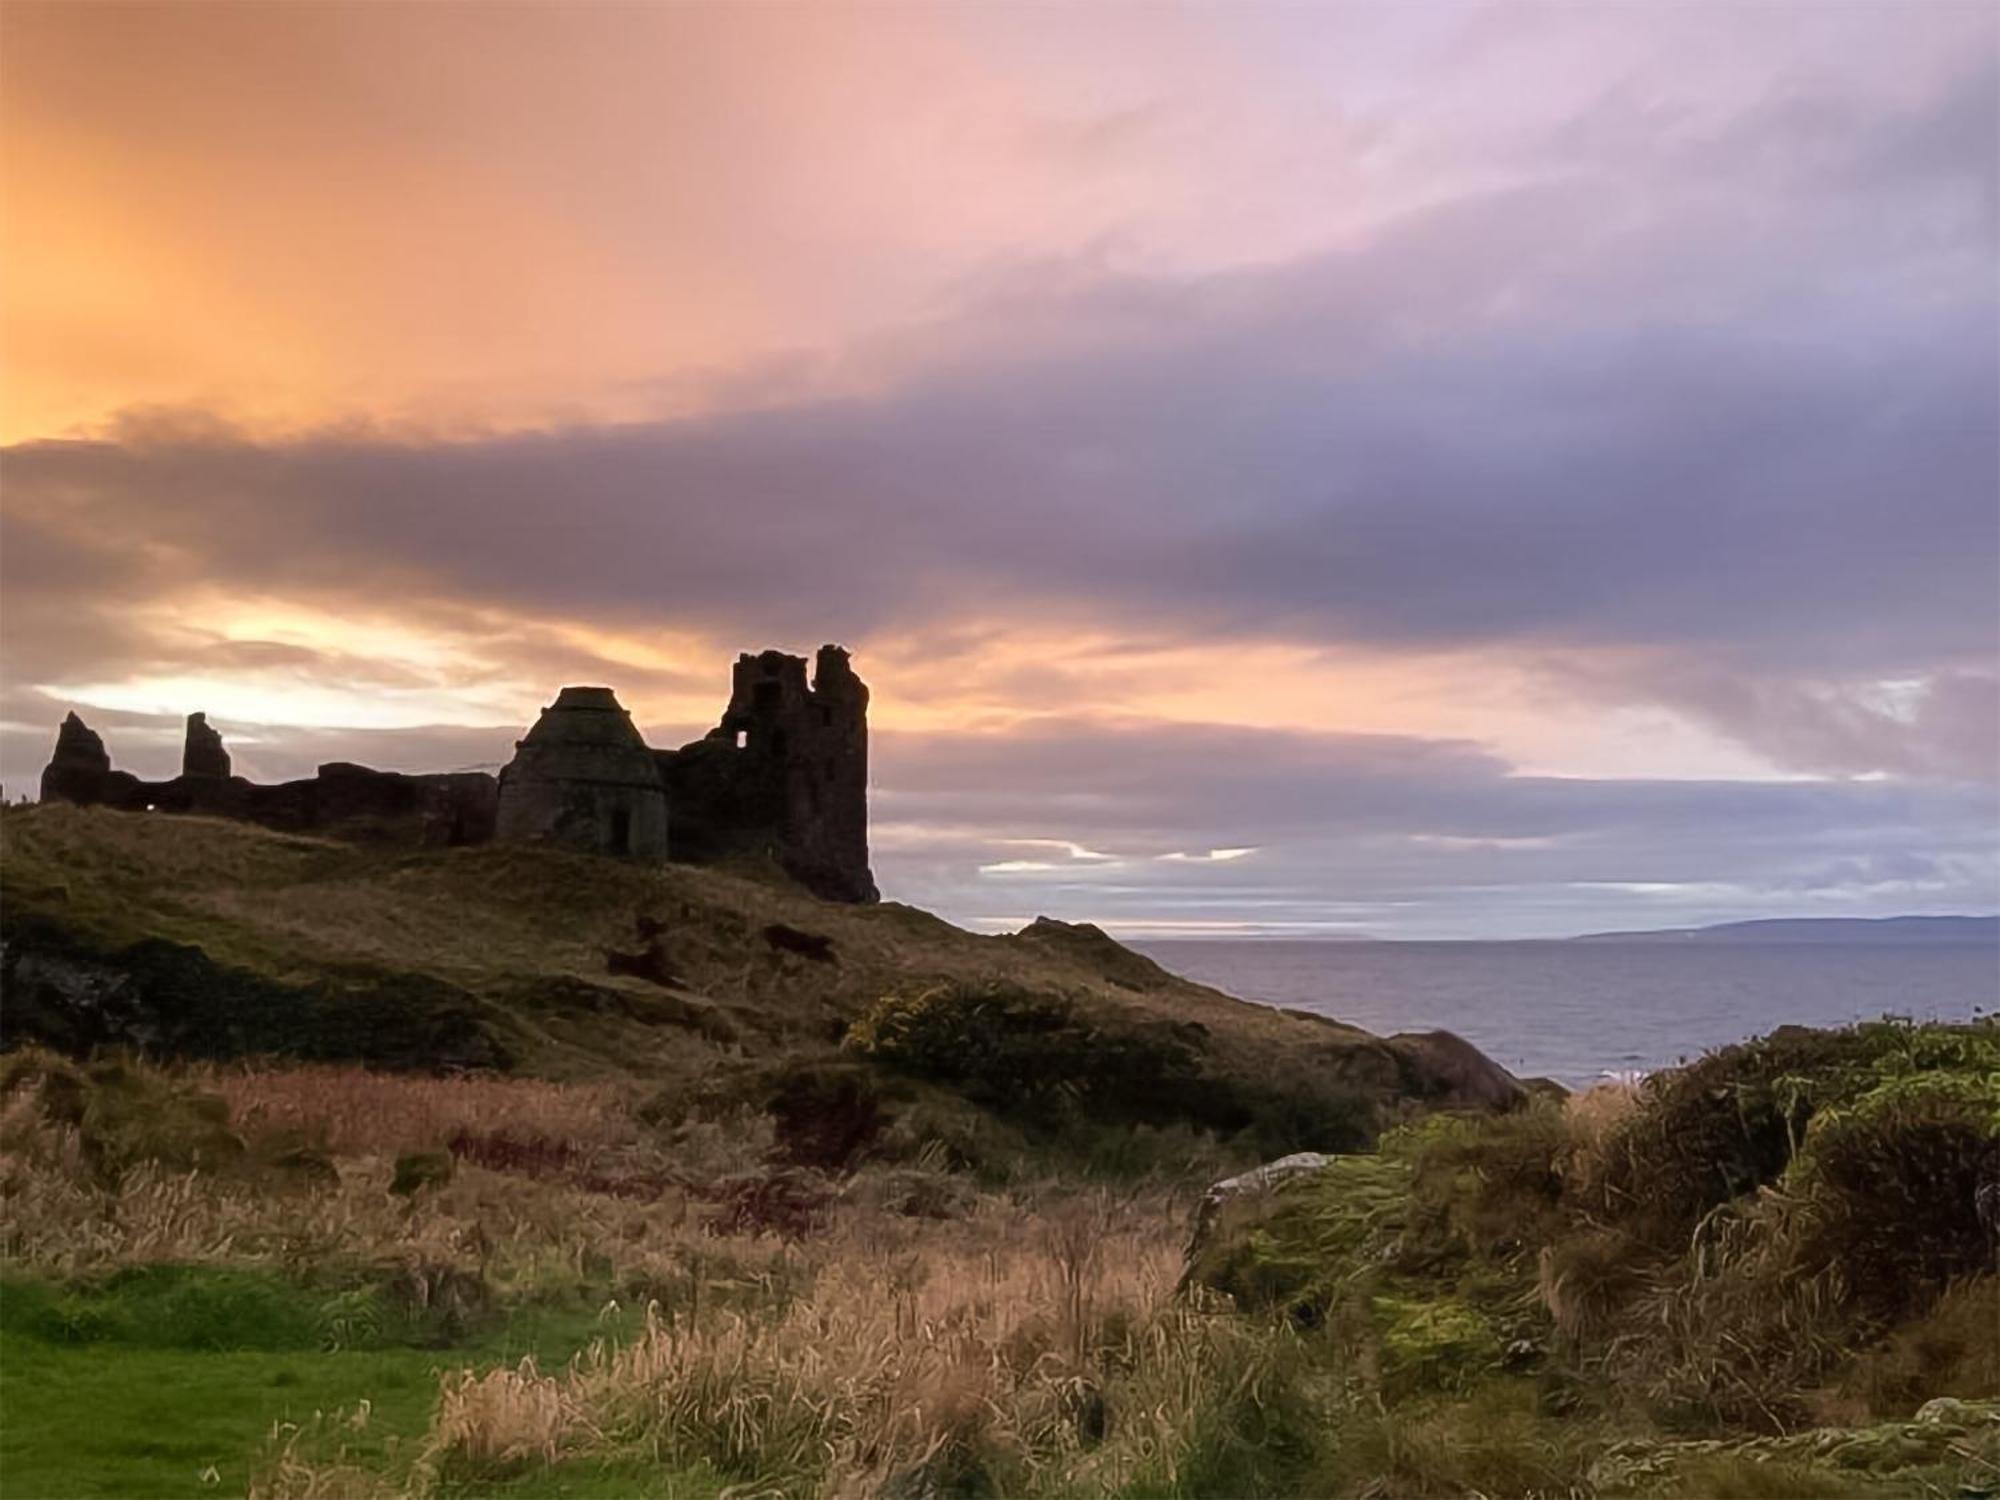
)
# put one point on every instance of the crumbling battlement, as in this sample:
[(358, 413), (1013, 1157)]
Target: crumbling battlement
[(784, 777), (784, 774), (346, 800)]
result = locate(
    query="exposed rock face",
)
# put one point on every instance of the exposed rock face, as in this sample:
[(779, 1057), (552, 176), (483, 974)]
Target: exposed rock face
[(203, 755), (784, 774), (160, 997), (584, 778)]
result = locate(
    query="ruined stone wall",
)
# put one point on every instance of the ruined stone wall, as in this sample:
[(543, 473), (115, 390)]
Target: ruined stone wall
[(785, 774), (348, 801)]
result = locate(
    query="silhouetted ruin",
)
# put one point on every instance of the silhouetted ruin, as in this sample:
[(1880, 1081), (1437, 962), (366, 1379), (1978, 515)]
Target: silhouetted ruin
[(202, 754), (784, 777), (786, 771), (584, 778)]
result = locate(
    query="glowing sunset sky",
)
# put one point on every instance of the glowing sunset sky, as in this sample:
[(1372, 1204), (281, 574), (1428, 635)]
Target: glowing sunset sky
[(1419, 470)]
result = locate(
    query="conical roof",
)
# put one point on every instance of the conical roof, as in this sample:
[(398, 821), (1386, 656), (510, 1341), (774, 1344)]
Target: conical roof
[(585, 735)]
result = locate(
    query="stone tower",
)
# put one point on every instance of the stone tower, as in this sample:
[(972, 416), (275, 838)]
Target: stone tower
[(80, 767), (202, 754), (583, 778), (785, 774)]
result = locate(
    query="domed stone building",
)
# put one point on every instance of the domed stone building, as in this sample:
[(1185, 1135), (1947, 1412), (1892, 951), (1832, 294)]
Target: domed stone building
[(583, 778)]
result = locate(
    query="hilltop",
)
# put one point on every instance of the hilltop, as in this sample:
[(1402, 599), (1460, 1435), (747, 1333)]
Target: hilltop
[(206, 938)]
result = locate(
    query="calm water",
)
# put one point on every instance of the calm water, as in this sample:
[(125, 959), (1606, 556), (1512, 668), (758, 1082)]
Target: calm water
[(1576, 1011)]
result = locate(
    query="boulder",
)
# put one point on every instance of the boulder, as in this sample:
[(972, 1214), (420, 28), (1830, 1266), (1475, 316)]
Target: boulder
[(1448, 1072), (1259, 1182)]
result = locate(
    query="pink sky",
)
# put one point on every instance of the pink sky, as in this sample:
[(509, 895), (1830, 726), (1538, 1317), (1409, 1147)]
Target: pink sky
[(1580, 400)]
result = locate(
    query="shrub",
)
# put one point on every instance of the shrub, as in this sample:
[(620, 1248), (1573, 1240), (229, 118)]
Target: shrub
[(1494, 1184), (125, 1113), (1950, 1351), (826, 1115), (1891, 1188), (417, 1170), (1733, 1121), (1019, 1050), (1041, 1059), (1587, 1278)]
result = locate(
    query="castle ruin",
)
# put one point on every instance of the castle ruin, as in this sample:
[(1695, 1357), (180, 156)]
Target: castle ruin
[(584, 778), (783, 777)]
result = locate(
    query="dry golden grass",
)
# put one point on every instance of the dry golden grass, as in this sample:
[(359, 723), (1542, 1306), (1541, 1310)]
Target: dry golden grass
[(351, 1111), (1594, 1114), (1034, 1337), (1047, 1355), (520, 1232)]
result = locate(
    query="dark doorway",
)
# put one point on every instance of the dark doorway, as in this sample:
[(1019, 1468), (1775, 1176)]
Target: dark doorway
[(621, 830)]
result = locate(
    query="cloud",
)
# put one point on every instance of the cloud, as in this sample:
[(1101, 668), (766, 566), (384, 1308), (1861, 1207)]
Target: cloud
[(1396, 837), (1677, 393), (1561, 413)]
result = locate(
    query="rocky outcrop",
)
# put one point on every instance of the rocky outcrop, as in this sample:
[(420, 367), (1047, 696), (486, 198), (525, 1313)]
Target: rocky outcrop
[(202, 754), (1942, 1429), (1443, 1068), (171, 999), (1092, 945)]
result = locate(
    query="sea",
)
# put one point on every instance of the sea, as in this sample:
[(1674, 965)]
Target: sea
[(1583, 1012)]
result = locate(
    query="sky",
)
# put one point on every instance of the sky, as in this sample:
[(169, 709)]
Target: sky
[(1419, 471)]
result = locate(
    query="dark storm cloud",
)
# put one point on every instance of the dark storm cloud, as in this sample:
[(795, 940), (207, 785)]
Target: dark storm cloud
[(1580, 411)]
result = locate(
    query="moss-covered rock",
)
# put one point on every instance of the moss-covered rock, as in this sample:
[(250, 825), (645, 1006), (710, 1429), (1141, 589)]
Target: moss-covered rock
[(1944, 1437)]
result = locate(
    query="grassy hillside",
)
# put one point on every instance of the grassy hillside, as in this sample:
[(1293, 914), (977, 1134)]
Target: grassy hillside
[(334, 1172), (198, 937), (1765, 1275)]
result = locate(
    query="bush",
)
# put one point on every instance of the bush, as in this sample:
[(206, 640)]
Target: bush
[(1717, 1128), (1493, 1185), (1040, 1059), (826, 1115), (1018, 1050), (1949, 1351), (1891, 1187), (125, 1113), (417, 1170)]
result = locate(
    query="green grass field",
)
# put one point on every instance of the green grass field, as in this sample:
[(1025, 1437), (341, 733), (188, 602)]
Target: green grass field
[(171, 1383)]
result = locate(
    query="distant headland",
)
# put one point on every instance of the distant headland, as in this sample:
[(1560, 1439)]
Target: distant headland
[(1879, 931)]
